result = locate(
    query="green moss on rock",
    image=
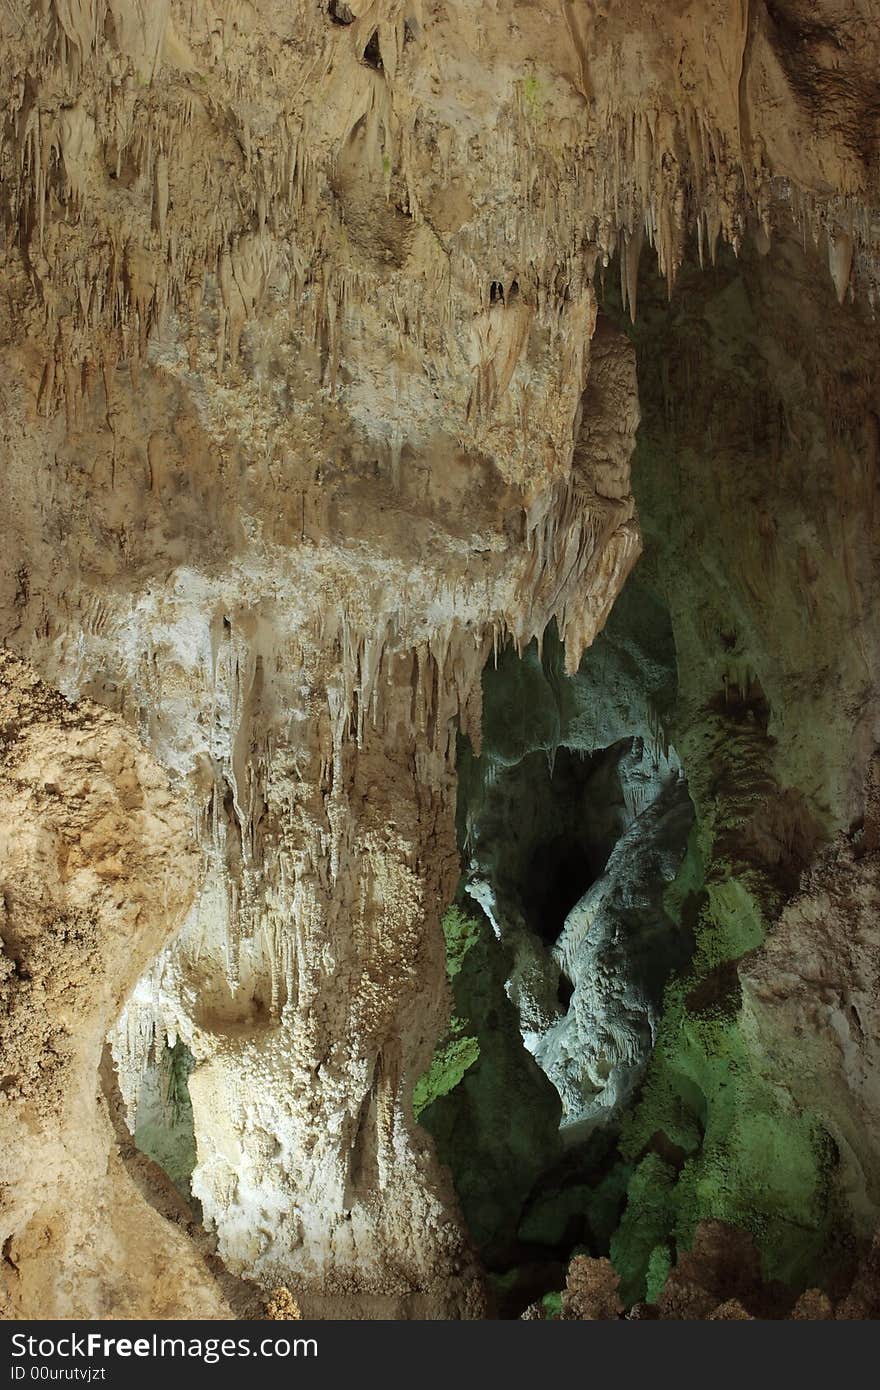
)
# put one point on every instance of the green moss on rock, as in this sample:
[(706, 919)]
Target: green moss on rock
[(460, 933), (496, 1124), (727, 510), (552, 1304), (450, 1062)]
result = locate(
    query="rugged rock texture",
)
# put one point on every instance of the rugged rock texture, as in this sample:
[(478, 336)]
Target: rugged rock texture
[(718, 1278), (757, 483), (97, 869), (810, 995), (305, 411), (574, 821), (494, 1117)]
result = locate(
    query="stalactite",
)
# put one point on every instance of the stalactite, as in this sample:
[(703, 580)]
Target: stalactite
[(355, 289)]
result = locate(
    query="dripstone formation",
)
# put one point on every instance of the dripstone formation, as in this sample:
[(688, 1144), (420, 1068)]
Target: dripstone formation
[(349, 353)]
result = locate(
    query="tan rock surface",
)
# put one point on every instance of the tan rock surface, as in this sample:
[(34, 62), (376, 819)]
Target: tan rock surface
[(97, 867), (299, 421)]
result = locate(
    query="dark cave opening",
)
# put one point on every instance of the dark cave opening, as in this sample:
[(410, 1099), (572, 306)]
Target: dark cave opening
[(556, 1140), (340, 13), (373, 53), (164, 1129), (577, 812), (557, 878), (564, 990), (557, 874)]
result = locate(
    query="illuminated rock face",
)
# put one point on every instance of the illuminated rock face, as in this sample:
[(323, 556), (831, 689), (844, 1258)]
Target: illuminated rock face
[(305, 412), (575, 822)]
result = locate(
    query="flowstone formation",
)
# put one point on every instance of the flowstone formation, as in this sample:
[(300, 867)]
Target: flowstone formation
[(308, 409)]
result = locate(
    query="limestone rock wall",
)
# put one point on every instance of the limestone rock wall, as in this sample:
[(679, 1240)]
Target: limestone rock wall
[(98, 865), (298, 422)]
